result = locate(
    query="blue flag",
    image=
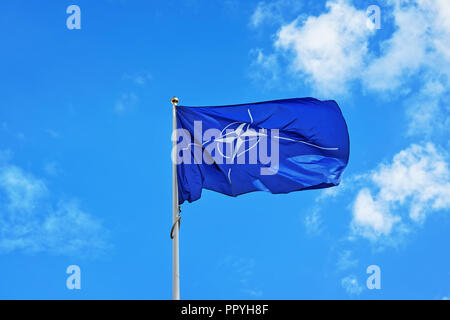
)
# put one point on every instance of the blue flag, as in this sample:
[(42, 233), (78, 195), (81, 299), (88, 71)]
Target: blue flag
[(276, 146)]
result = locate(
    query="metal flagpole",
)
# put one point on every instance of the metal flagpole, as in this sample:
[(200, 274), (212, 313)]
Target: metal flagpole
[(175, 213)]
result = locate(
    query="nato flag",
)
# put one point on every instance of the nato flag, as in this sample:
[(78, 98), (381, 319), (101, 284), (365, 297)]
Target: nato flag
[(276, 146)]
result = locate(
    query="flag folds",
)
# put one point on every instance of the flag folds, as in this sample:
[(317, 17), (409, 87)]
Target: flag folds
[(276, 146)]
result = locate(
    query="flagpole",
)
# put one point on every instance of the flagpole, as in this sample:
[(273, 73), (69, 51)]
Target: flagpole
[(175, 214)]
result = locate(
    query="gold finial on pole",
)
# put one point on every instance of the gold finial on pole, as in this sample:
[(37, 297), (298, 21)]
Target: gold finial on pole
[(175, 101)]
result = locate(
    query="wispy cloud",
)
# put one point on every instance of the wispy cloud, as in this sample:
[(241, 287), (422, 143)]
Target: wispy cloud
[(265, 68), (313, 222), (53, 133), (346, 261), (242, 271), (274, 12), (22, 190), (30, 222), (7, 130), (139, 78), (126, 102), (426, 106), (52, 168), (130, 97), (351, 285)]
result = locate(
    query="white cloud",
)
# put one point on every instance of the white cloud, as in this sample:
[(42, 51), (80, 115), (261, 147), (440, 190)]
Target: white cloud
[(329, 49), (403, 53), (420, 41), (419, 174), (416, 181), (31, 223), (351, 285), (372, 218)]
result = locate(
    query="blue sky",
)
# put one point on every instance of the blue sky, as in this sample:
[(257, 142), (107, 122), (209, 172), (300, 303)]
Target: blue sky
[(85, 169)]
